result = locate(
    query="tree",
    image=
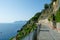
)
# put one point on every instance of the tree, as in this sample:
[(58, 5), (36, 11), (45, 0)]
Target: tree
[(53, 0), (46, 6)]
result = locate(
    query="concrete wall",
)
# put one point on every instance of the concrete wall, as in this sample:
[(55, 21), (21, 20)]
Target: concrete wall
[(29, 36)]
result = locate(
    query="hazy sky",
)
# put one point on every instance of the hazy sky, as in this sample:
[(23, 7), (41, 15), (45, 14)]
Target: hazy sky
[(17, 10)]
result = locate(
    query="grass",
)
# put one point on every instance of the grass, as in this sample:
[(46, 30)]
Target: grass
[(58, 16)]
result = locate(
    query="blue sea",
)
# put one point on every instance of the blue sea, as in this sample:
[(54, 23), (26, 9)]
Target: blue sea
[(8, 30)]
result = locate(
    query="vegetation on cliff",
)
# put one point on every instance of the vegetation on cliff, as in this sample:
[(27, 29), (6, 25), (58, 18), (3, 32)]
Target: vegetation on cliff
[(58, 16), (28, 27)]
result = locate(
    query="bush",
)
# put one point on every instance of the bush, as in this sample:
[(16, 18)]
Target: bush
[(46, 6), (58, 16)]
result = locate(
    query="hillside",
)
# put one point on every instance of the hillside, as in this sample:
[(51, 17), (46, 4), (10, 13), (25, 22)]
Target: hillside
[(28, 27), (47, 13)]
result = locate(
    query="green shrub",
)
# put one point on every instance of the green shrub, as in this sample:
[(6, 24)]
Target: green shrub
[(46, 6), (58, 16)]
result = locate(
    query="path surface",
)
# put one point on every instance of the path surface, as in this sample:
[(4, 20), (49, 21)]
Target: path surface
[(48, 34)]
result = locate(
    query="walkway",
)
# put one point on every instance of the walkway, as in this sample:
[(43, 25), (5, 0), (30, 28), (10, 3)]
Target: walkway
[(48, 34)]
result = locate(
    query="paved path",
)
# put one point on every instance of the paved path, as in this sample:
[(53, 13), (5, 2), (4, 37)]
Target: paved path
[(48, 34)]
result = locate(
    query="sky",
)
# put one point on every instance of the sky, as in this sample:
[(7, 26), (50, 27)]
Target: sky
[(20, 10)]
